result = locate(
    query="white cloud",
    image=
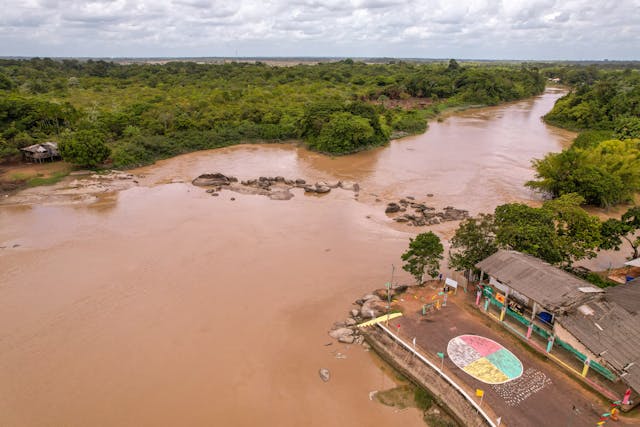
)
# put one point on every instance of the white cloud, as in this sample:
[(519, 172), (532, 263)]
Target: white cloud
[(519, 29)]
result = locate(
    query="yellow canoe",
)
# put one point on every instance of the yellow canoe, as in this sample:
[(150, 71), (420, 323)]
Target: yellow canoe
[(379, 319)]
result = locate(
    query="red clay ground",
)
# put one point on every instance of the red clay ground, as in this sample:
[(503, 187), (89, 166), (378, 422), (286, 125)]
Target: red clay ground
[(17, 175), (543, 396)]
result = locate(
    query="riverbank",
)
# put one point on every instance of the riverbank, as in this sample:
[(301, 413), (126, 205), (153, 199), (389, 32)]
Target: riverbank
[(16, 176)]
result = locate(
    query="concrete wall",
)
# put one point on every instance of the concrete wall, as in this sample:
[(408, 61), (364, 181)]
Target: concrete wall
[(423, 376), (567, 337)]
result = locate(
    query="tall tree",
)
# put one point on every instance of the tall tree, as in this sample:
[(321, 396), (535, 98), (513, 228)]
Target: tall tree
[(578, 234), (423, 256), (527, 229), (615, 230), (560, 232), (473, 241)]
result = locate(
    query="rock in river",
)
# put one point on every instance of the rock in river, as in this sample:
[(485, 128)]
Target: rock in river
[(213, 179), (324, 374), (341, 332), (373, 308), (392, 208), (347, 339)]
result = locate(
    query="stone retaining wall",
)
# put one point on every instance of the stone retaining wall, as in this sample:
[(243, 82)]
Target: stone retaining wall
[(422, 375)]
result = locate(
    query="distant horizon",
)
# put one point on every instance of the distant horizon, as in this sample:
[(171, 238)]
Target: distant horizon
[(318, 57)]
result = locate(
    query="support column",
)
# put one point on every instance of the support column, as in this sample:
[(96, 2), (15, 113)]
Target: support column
[(503, 311), (585, 368), (533, 316), (552, 338), (504, 305)]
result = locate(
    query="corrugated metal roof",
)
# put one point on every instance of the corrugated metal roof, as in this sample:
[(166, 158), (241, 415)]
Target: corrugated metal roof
[(627, 296), (610, 332), (633, 263), (554, 289)]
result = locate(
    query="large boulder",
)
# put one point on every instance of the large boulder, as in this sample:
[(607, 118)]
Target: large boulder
[(280, 195), (392, 208), (373, 308), (322, 188), (341, 332), (452, 214), (213, 179), (324, 373), (347, 339), (348, 185)]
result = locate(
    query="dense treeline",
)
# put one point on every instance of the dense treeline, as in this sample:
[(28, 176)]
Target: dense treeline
[(559, 232), (603, 164), (148, 111), (605, 100)]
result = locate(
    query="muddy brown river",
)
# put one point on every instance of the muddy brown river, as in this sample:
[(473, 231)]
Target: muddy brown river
[(162, 305)]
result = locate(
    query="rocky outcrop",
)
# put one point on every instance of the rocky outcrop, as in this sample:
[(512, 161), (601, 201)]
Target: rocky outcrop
[(373, 307), (392, 208), (422, 214), (213, 179), (368, 307), (276, 188), (318, 188)]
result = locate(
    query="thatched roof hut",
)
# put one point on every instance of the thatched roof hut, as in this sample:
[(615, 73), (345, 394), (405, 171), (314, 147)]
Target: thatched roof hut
[(41, 152)]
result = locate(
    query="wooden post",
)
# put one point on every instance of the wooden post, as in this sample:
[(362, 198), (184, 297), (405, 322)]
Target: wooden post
[(533, 317)]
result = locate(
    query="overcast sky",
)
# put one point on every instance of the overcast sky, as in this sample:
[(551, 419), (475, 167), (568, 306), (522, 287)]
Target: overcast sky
[(483, 29)]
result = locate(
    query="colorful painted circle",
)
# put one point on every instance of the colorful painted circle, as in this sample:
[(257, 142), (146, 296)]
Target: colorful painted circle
[(484, 359)]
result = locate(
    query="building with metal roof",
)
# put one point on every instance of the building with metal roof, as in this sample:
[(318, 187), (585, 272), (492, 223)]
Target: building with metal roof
[(550, 287), (599, 327)]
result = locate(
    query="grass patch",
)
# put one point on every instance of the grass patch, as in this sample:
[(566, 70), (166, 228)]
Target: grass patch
[(400, 397), (434, 420), (410, 396), (422, 399), (40, 179), (21, 177)]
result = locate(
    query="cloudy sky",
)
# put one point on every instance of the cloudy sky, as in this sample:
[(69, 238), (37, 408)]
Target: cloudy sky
[(479, 29)]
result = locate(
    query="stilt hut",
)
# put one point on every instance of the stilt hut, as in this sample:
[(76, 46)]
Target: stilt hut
[(38, 153)]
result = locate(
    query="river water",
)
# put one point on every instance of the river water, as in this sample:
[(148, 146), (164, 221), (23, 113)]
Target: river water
[(162, 305)]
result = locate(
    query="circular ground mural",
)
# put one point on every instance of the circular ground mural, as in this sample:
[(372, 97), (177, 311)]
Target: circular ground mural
[(484, 359)]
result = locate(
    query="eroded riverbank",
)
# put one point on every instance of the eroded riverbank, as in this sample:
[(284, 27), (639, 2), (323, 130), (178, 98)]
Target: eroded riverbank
[(160, 304)]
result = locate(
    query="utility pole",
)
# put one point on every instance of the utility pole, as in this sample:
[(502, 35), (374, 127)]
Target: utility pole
[(389, 286)]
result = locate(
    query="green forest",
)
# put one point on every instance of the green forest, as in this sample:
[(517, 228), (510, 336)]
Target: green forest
[(601, 168), (135, 114), (603, 163)]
